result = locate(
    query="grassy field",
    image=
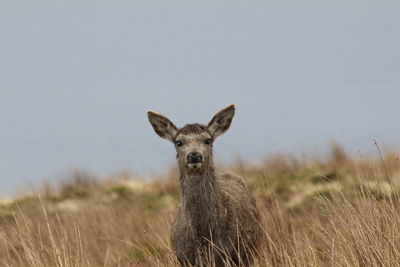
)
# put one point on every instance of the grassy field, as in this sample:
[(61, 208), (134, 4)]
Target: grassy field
[(332, 210)]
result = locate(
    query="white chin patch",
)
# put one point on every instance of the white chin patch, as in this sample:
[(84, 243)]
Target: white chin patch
[(194, 166)]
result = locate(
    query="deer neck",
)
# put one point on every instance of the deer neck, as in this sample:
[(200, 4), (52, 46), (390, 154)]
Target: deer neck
[(200, 201)]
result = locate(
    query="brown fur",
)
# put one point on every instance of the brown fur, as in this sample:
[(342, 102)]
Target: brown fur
[(218, 221), (194, 128)]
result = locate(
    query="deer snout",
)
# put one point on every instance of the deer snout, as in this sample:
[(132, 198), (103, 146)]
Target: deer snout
[(194, 157)]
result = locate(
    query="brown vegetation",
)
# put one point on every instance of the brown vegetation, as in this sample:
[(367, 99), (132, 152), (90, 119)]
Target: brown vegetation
[(329, 211)]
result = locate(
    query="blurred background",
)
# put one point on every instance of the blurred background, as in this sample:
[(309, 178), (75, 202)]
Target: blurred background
[(77, 77)]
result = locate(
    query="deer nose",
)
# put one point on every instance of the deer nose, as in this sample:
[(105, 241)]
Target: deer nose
[(194, 157)]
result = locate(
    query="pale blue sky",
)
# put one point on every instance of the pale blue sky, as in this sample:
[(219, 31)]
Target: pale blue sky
[(77, 77)]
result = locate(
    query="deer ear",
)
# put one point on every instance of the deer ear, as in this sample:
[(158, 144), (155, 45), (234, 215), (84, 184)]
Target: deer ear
[(162, 125), (221, 121)]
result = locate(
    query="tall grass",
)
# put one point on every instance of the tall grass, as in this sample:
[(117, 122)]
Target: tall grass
[(334, 210)]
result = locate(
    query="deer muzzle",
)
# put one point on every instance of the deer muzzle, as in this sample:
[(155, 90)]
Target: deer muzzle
[(194, 157)]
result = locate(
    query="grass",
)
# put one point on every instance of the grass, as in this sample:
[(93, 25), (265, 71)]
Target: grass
[(334, 210)]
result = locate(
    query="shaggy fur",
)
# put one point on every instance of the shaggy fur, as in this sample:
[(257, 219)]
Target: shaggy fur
[(218, 221), (218, 215), (195, 128)]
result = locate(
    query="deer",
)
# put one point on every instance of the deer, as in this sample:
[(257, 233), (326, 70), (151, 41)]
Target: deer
[(217, 222)]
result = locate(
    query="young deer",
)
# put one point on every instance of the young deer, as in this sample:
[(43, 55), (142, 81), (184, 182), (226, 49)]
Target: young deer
[(218, 222)]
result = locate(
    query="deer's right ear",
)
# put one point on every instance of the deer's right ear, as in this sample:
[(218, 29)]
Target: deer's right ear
[(162, 125)]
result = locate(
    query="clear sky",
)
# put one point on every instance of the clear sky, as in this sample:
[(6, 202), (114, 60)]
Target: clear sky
[(77, 77)]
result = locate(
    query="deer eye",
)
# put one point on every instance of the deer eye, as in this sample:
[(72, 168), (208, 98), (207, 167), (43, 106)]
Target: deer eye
[(178, 143), (208, 141)]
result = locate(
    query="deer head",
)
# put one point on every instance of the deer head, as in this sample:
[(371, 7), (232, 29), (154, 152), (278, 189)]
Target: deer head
[(193, 142)]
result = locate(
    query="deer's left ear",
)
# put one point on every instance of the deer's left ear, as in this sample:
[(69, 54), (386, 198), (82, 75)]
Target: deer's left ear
[(221, 121)]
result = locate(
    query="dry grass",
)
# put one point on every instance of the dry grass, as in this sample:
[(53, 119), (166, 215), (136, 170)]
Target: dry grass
[(329, 211)]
